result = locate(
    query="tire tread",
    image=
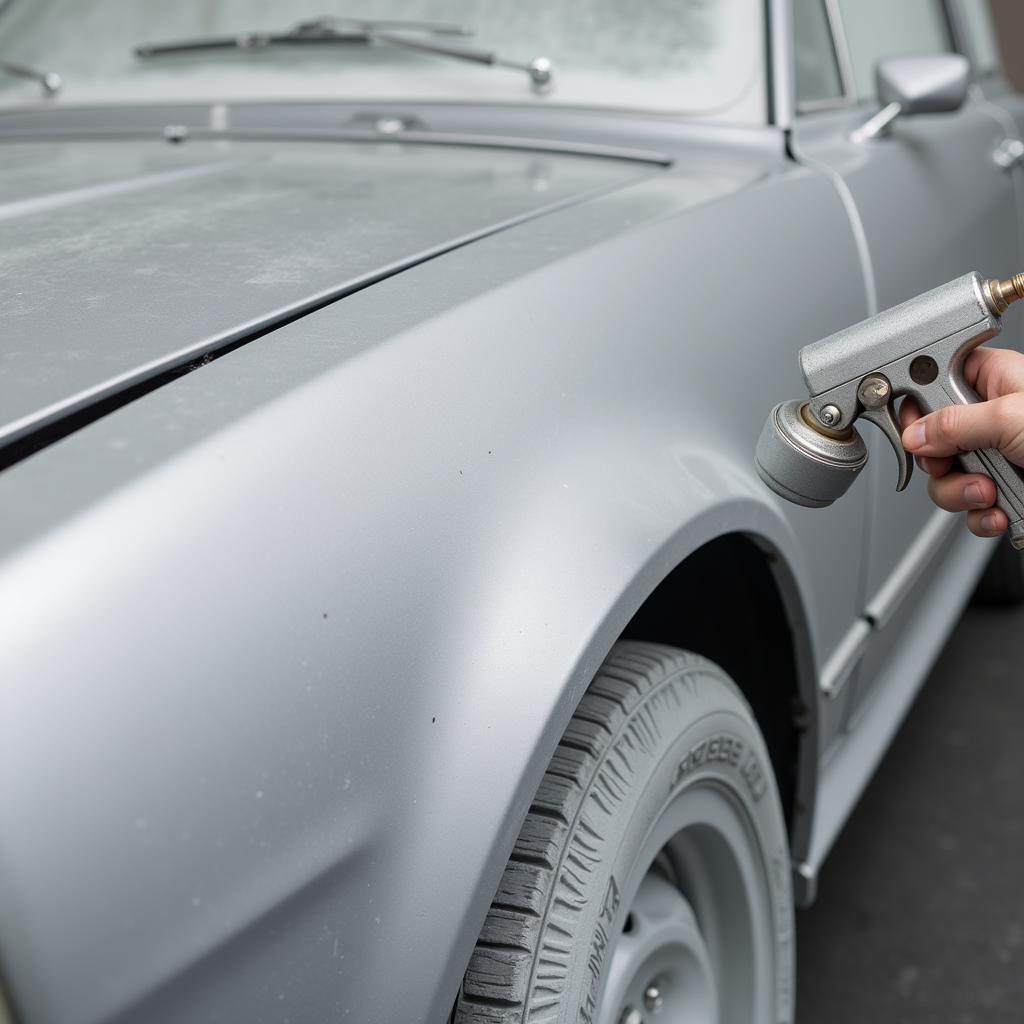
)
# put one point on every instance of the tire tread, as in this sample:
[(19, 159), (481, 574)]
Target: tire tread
[(505, 982)]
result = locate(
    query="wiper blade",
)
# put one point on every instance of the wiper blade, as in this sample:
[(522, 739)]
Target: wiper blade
[(364, 32), (51, 82), (434, 28), (320, 30)]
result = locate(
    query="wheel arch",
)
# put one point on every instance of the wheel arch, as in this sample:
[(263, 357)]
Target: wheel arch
[(753, 565), (734, 601)]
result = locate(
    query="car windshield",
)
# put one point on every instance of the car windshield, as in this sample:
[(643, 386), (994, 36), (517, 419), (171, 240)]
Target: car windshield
[(696, 58)]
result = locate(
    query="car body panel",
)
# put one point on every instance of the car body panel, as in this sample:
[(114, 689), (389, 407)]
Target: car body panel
[(1007, 106), (269, 746), (925, 565), (850, 763), (289, 640), (898, 183), (166, 253)]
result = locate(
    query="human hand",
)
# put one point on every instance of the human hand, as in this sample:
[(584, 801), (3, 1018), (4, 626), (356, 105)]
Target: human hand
[(997, 422)]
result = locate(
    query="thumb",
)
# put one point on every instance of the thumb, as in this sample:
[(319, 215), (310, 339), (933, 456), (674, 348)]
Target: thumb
[(956, 428)]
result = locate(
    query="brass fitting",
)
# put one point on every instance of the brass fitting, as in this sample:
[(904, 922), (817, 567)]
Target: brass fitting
[(1000, 294)]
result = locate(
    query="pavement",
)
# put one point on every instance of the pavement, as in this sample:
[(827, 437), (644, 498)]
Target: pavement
[(920, 910)]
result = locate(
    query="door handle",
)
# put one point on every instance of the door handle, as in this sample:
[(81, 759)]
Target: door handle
[(1008, 154)]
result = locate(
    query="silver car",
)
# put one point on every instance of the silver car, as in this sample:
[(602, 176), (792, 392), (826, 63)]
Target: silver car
[(395, 628)]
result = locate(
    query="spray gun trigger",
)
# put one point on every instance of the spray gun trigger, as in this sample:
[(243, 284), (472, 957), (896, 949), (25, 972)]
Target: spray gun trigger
[(884, 418)]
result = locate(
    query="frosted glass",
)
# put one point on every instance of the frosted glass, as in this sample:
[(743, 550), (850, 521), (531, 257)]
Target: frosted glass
[(701, 58)]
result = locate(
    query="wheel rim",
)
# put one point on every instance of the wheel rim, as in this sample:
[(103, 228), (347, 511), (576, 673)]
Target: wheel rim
[(696, 945), (660, 970)]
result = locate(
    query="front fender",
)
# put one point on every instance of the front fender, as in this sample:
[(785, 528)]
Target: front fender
[(290, 641)]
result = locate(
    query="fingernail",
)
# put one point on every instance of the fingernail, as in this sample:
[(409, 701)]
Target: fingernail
[(913, 436), (973, 495), (990, 522)]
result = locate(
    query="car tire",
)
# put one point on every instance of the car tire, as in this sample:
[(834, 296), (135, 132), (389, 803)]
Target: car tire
[(1002, 583), (651, 878)]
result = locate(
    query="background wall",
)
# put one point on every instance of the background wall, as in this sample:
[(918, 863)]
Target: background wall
[(1009, 19)]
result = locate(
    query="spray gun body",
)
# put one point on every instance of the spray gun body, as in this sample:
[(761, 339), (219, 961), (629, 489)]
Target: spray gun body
[(810, 451)]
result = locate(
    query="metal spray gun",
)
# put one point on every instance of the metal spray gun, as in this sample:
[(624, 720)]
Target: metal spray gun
[(810, 452)]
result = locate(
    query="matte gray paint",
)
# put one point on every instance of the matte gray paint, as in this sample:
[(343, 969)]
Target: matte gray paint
[(935, 162), (920, 595), (280, 480), (924, 85), (883, 708), (188, 263), (635, 133), (1007, 107), (258, 781)]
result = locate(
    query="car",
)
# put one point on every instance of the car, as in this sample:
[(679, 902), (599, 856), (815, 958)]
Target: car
[(396, 629)]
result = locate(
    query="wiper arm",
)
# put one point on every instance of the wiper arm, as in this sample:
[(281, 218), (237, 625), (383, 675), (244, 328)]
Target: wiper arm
[(51, 82), (539, 69), (363, 32)]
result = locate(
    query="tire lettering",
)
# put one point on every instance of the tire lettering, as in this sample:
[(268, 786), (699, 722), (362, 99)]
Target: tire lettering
[(722, 748), (756, 782)]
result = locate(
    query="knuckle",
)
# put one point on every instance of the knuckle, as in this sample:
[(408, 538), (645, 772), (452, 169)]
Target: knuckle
[(949, 423)]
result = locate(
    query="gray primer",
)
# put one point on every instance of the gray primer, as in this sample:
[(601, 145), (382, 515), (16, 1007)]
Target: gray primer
[(113, 281), (476, 470)]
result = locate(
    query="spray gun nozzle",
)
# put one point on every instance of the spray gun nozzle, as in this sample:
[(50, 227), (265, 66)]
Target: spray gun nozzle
[(1000, 294)]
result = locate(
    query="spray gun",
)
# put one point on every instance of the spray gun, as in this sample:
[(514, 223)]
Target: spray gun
[(810, 451)]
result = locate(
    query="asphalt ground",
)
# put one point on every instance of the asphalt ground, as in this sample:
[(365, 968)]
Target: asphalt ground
[(920, 910)]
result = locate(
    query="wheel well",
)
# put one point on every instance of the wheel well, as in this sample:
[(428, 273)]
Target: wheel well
[(723, 603)]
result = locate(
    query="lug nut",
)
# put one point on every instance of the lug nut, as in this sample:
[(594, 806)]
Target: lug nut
[(653, 999)]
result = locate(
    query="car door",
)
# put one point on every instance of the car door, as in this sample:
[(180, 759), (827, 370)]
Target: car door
[(977, 38), (931, 204)]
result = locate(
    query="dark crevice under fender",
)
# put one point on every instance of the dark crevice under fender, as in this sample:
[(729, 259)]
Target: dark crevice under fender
[(733, 601)]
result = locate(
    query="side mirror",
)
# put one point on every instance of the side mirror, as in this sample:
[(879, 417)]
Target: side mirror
[(916, 85)]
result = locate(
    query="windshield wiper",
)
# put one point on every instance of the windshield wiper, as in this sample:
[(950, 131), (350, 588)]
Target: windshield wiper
[(51, 82), (434, 28), (363, 32)]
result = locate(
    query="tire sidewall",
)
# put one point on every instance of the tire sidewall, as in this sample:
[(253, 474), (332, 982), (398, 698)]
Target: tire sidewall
[(707, 738)]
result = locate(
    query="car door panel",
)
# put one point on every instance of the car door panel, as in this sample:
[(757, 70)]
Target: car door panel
[(932, 205)]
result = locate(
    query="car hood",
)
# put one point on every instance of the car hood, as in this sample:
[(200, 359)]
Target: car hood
[(124, 261)]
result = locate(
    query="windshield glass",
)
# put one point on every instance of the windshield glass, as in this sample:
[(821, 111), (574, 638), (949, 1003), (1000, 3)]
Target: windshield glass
[(697, 58)]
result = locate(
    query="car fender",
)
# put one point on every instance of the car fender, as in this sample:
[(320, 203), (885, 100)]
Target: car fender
[(292, 729)]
